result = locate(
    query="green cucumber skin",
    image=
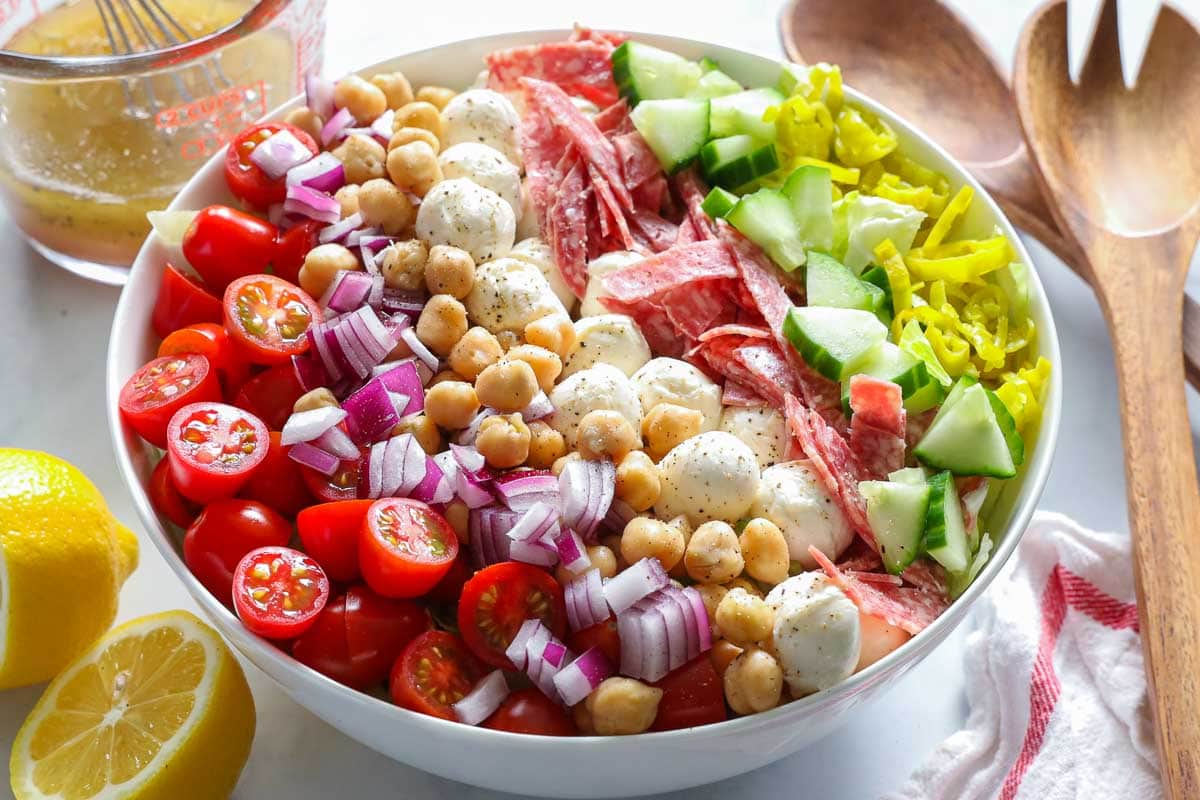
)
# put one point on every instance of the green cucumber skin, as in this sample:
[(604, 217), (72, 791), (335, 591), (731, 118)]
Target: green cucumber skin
[(732, 162), (897, 512), (625, 73), (718, 202), (816, 355), (676, 129), (968, 439), (945, 536), (765, 217)]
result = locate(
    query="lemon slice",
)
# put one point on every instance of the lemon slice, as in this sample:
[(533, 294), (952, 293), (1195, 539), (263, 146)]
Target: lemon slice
[(158, 708)]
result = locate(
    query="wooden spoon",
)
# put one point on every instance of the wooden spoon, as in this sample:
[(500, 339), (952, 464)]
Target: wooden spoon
[(1122, 171), (923, 60)]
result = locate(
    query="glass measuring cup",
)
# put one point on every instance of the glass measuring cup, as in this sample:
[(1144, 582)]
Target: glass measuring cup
[(90, 143)]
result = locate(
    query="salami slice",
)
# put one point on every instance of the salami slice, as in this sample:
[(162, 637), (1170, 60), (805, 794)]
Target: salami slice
[(638, 162), (614, 120), (739, 394), (612, 217), (761, 365), (917, 425), (679, 266), (653, 232), (697, 307), (878, 425), (748, 331), (582, 68), (972, 492), (691, 191), (611, 38), (542, 149), (567, 229), (759, 277), (911, 610), (926, 575), (653, 195)]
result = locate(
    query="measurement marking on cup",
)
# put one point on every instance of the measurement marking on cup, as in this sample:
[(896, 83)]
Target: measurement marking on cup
[(222, 115)]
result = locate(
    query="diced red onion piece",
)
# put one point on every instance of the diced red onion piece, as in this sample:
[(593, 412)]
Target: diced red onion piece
[(482, 701), (554, 653), (578, 679), (310, 372), (371, 238), (317, 342), (469, 458), (348, 290), (354, 238), (337, 441), (347, 344), (469, 434), (633, 583), (280, 152), (570, 592), (382, 127), (372, 338), (629, 631), (371, 414), (323, 173), (336, 127), (594, 591), (427, 491), (573, 486), (340, 229), (375, 296), (392, 467), (533, 652), (312, 204), (656, 660), (375, 461), (534, 553), (522, 489), (400, 301), (702, 624), (691, 634), (534, 523), (571, 551), (539, 408), (308, 455), (402, 377), (414, 466), (619, 515), (604, 475), (318, 95), (516, 649), (304, 426), (676, 624), (336, 353), (409, 335), (399, 402)]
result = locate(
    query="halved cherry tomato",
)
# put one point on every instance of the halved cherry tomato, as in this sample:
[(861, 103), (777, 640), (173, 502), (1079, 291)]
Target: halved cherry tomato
[(214, 449), (449, 588), (293, 246), (433, 673), (603, 635), (405, 547), (182, 300), (530, 711), (155, 392), (330, 531), (278, 592), (246, 179), (692, 695), (269, 317), (211, 340), (167, 500), (498, 599), (223, 533), (341, 485), (224, 244), (278, 483), (271, 395)]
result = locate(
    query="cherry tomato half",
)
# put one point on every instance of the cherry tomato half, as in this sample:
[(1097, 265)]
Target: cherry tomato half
[(433, 673), (167, 500), (211, 340), (603, 635), (223, 533), (405, 547), (269, 317), (278, 483), (359, 635), (498, 599), (341, 485), (246, 179), (213, 449), (271, 395), (155, 392), (330, 531), (224, 244), (530, 711), (182, 300), (692, 695), (278, 592)]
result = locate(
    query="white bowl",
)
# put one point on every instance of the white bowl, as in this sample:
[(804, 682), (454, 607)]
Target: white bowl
[(594, 766)]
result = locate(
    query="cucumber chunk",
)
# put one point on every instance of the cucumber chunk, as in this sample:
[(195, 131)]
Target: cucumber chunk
[(877, 276), (675, 129), (925, 398), (765, 218), (707, 65), (734, 161), (955, 394), (890, 363), (643, 72), (897, 513), (914, 475), (836, 342), (738, 113), (971, 436), (945, 533), (830, 283), (718, 202), (810, 191), (791, 75), (714, 83)]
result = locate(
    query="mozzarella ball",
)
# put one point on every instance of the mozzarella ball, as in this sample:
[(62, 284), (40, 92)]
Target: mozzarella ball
[(878, 639), (669, 380), (792, 496), (484, 116), (508, 294), (528, 226), (761, 427), (463, 214), (485, 166), (710, 476), (818, 636), (597, 268), (610, 339), (603, 387), (538, 253)]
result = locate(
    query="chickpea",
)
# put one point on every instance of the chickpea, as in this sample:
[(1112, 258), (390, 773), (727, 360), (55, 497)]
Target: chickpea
[(599, 557), (765, 551), (509, 339), (623, 706), (403, 264), (645, 537), (363, 99), (437, 96), (474, 353), (712, 594), (583, 719), (504, 440), (743, 618), (452, 404), (546, 445), (667, 425), (745, 585), (414, 167), (637, 481), (423, 430), (554, 332), (606, 434), (722, 654), (450, 270), (562, 462), (613, 543), (685, 527), (506, 386), (321, 264), (713, 554), (395, 87), (306, 120), (383, 205), (458, 515), (546, 364), (406, 135), (442, 323), (362, 157), (753, 682), (317, 398), (419, 114), (347, 196)]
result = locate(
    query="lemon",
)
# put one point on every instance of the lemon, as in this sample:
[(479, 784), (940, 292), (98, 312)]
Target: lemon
[(158, 708), (63, 558)]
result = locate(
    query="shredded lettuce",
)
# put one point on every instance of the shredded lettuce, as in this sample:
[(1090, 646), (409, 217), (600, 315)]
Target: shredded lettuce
[(862, 222), (914, 342), (958, 583)]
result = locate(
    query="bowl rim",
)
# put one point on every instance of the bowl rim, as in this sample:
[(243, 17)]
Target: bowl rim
[(262, 653)]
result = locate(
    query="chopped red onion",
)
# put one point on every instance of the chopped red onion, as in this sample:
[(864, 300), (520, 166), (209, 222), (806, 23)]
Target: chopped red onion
[(402, 377), (347, 343), (312, 204), (304, 426), (433, 488), (590, 606), (469, 434), (375, 296), (336, 353), (524, 488), (347, 291), (400, 301), (580, 678), (482, 701), (310, 372), (371, 413), (317, 343), (630, 633), (374, 468), (701, 613), (534, 553), (323, 173), (516, 649), (409, 335), (340, 229), (533, 652), (570, 590), (375, 340), (587, 489), (307, 455), (554, 654), (676, 625), (469, 458), (403, 466), (318, 95), (594, 591), (656, 661), (354, 238), (280, 152), (633, 583), (539, 408), (689, 625), (382, 127), (337, 441), (534, 524), (619, 515), (571, 551), (488, 527), (371, 238), (336, 127), (605, 474)]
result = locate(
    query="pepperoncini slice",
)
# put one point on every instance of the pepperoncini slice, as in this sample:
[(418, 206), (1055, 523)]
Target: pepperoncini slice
[(803, 128), (862, 137), (897, 274), (955, 209), (959, 262), (838, 174)]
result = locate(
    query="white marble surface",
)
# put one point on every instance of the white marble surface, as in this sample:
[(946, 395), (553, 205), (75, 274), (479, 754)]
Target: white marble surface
[(54, 333)]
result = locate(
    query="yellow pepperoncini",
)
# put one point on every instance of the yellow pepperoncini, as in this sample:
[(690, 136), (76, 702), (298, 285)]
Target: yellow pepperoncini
[(897, 274), (838, 174), (1021, 393), (803, 128), (862, 137), (959, 262), (824, 85), (956, 208)]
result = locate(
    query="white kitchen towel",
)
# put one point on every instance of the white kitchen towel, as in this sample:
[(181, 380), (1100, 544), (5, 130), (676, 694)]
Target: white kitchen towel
[(1055, 681)]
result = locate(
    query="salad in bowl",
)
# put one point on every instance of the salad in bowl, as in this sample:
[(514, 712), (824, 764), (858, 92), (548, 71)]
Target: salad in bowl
[(615, 393)]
